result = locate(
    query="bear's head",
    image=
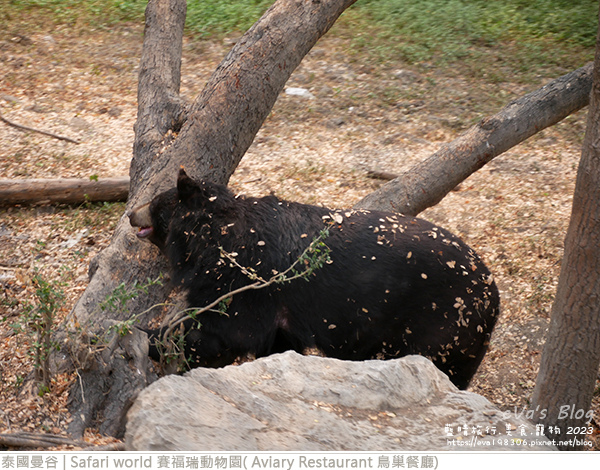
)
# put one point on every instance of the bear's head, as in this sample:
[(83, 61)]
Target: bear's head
[(188, 199)]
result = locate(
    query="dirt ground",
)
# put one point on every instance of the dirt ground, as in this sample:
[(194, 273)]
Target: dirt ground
[(361, 116)]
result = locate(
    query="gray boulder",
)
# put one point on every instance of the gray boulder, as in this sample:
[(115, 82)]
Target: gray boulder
[(308, 403)]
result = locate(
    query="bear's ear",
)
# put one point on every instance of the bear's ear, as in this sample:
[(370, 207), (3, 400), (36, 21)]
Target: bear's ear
[(186, 186), (191, 192)]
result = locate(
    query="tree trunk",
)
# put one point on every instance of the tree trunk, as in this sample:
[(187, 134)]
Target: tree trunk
[(426, 184), (571, 356), (208, 137), (63, 190)]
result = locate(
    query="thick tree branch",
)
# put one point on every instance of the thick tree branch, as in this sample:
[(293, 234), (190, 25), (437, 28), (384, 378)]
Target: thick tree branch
[(428, 182), (224, 119), (159, 106)]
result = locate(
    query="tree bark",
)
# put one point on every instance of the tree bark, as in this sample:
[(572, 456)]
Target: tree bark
[(571, 357), (426, 184), (63, 190), (208, 137)]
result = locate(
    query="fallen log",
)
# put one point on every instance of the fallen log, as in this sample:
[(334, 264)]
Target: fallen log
[(63, 190), (426, 184)]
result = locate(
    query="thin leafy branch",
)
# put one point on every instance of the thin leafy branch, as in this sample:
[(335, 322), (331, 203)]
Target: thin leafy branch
[(314, 257), (118, 301), (122, 294)]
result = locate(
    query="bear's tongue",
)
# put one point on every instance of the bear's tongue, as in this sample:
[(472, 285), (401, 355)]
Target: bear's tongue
[(144, 232)]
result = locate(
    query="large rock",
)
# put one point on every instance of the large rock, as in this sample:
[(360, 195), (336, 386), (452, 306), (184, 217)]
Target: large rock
[(293, 402)]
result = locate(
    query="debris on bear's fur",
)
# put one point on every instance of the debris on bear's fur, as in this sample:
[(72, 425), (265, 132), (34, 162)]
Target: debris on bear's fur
[(386, 286)]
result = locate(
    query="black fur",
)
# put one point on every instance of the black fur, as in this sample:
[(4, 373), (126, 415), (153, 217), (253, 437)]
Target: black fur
[(395, 285)]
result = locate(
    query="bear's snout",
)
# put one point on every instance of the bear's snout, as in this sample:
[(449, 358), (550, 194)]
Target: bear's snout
[(140, 217)]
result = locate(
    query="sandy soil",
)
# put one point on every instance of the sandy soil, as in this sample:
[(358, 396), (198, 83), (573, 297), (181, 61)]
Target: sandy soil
[(362, 117)]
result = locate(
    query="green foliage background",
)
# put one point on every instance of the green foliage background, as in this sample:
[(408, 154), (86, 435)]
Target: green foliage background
[(428, 23), (528, 38)]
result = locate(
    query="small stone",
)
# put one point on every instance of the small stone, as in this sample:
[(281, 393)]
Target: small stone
[(10, 99), (301, 92), (79, 123)]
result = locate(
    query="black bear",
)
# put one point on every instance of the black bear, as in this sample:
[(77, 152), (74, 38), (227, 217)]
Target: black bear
[(391, 285)]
